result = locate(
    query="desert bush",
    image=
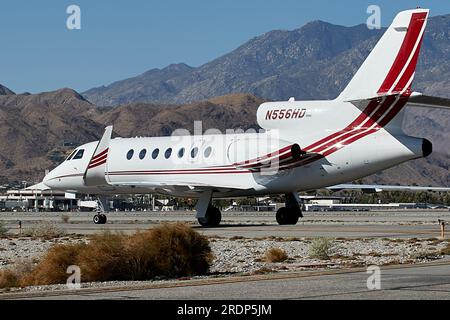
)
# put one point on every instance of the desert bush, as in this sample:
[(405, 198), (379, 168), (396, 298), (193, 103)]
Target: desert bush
[(8, 279), (47, 230), (167, 251), (65, 218), (321, 248), (170, 250), (3, 229), (276, 255), (53, 266), (104, 258)]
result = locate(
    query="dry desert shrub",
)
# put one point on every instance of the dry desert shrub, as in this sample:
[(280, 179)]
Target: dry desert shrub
[(8, 279), (170, 250), (167, 251), (53, 266), (276, 255), (104, 258)]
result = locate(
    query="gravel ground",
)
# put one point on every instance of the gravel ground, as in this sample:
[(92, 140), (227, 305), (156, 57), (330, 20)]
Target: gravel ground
[(247, 256)]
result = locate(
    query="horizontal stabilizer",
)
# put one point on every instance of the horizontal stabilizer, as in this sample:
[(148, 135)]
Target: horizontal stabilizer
[(420, 100)]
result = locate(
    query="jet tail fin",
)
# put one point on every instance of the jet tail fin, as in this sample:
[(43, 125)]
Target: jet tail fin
[(390, 67), (95, 171)]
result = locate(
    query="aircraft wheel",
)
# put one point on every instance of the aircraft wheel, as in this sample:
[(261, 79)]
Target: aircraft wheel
[(97, 219), (286, 216), (212, 218), (100, 219)]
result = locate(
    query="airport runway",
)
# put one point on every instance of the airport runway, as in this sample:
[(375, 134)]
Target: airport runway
[(426, 281), (380, 224)]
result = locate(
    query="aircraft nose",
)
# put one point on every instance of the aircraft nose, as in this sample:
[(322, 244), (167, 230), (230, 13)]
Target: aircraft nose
[(49, 180)]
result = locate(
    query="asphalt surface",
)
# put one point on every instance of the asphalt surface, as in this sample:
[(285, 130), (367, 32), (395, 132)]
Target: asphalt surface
[(382, 224), (423, 281)]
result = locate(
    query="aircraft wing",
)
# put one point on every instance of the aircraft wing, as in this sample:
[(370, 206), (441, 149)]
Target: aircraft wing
[(373, 188), (185, 186)]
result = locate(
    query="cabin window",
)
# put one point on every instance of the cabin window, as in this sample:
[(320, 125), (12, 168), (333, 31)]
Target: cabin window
[(155, 153), (181, 153), (130, 154), (71, 155), (79, 154), (168, 153), (207, 152), (142, 154), (194, 152)]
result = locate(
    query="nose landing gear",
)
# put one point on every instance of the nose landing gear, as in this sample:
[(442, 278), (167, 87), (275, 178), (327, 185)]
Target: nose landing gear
[(100, 217)]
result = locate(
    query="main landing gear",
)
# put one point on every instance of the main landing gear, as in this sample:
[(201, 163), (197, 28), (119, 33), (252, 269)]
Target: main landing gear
[(212, 218), (291, 212), (100, 217), (207, 215)]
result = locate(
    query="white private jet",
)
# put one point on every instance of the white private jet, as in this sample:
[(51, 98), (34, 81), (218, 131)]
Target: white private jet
[(306, 145)]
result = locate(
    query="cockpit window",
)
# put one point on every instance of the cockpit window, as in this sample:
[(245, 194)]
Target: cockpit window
[(79, 154), (71, 155)]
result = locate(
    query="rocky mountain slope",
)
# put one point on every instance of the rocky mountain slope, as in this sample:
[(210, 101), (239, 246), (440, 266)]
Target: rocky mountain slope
[(4, 91)]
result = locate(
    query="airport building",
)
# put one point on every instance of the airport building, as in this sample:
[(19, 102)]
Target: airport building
[(38, 200)]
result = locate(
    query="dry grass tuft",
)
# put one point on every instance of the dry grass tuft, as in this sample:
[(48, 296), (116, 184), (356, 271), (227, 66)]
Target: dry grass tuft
[(321, 248), (276, 255)]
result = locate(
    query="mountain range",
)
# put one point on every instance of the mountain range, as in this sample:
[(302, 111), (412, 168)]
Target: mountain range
[(312, 62), (315, 61)]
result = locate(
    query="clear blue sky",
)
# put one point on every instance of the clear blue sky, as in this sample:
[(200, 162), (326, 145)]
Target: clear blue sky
[(122, 38)]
